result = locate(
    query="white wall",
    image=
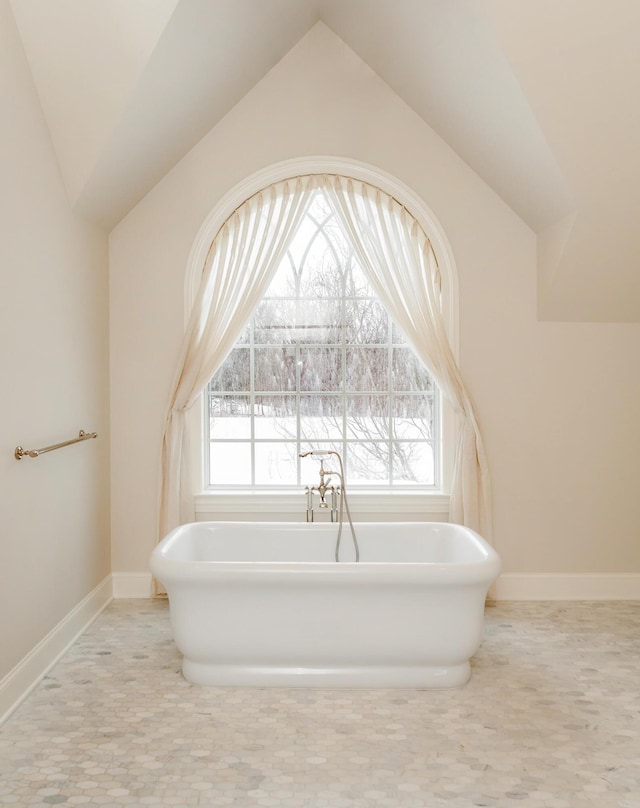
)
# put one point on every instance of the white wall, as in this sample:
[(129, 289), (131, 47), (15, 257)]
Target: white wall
[(557, 402), (54, 515)]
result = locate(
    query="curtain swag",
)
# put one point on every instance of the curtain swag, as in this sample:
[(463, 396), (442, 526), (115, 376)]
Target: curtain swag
[(399, 260)]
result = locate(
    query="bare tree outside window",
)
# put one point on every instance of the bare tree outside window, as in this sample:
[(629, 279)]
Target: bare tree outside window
[(322, 364)]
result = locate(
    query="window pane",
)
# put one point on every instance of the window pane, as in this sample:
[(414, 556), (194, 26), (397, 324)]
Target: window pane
[(367, 463), (408, 372), (368, 417), (397, 337), (366, 321), (230, 417), (245, 337), (357, 284), (296, 252), (284, 283), (275, 417), (275, 368), (319, 321), (234, 374), (321, 417), (320, 369), (319, 208), (413, 417), (367, 368), (276, 463), (316, 261), (322, 275), (413, 463), (230, 464), (273, 322)]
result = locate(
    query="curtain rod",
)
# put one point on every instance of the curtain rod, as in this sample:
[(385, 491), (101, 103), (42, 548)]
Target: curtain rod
[(337, 176)]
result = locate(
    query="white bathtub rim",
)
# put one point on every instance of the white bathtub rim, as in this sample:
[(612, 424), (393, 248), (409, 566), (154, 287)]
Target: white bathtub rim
[(290, 527), (484, 569)]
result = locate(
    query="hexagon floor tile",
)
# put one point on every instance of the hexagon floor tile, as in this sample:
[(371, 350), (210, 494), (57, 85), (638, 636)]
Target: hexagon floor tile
[(550, 719)]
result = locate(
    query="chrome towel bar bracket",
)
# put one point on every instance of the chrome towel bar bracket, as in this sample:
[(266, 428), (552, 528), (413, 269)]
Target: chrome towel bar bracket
[(82, 435)]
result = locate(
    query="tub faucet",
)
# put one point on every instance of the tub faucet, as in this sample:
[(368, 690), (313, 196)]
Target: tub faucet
[(322, 490), (323, 487)]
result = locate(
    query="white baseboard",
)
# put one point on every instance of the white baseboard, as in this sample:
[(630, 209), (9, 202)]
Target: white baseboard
[(566, 586), (132, 585), (20, 681)]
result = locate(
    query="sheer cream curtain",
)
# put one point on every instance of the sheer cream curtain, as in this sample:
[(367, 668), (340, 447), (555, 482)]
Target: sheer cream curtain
[(243, 257), (398, 258)]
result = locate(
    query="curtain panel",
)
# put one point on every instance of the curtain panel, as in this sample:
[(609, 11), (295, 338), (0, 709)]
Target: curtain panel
[(241, 262), (399, 260)]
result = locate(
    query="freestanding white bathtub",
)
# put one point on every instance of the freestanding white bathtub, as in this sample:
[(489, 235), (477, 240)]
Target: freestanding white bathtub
[(265, 604)]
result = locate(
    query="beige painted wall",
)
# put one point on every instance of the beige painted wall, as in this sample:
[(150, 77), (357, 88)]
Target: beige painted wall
[(54, 515), (558, 402)]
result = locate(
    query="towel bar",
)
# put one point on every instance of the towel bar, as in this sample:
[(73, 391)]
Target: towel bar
[(82, 435)]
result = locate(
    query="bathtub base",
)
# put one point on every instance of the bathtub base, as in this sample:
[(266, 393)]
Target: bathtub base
[(369, 677)]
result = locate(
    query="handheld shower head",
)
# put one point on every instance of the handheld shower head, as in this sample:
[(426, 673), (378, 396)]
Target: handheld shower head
[(318, 452)]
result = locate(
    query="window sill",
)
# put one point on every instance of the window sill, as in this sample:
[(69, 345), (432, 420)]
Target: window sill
[(363, 504)]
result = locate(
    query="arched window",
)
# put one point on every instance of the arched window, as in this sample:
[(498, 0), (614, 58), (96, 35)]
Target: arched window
[(322, 365), (368, 237)]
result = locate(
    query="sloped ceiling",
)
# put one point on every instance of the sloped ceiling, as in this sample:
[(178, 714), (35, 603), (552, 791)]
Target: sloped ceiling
[(540, 99)]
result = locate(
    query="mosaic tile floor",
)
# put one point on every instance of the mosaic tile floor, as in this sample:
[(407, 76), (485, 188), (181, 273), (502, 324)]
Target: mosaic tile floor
[(550, 718)]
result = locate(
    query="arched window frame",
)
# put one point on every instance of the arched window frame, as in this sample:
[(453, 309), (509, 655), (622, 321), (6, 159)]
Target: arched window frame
[(285, 504)]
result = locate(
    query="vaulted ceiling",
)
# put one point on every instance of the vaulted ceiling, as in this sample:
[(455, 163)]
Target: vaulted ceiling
[(540, 98)]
